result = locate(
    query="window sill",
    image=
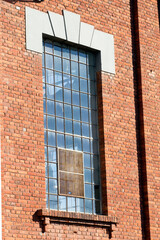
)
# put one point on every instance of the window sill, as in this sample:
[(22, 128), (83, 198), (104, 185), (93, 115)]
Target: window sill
[(47, 216)]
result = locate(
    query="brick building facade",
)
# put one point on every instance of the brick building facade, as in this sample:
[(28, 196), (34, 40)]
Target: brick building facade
[(128, 93)]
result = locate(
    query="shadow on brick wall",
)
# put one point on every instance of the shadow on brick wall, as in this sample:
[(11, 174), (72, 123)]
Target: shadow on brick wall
[(140, 135)]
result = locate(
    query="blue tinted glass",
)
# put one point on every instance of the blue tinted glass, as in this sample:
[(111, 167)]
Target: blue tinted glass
[(84, 115), (60, 124), (45, 137), (43, 73), (50, 92), (67, 96), (71, 204), (87, 162), (58, 79), (93, 103), (45, 122), (65, 50), (82, 56), (87, 175), (62, 203), (50, 107), (94, 117), (91, 59), (52, 170), (69, 142), (91, 73), (51, 139), (46, 180), (57, 50), (75, 98), (83, 85), (67, 111), (74, 54), (85, 129), (66, 66), (49, 61), (76, 113), (84, 100), (75, 83), (57, 64), (83, 70), (52, 154), (52, 186), (77, 144), (68, 126), (80, 205), (93, 87), (49, 76), (60, 140), (86, 145), (53, 202), (45, 153), (44, 105), (59, 94), (59, 109), (66, 81), (77, 128), (74, 68), (88, 190), (44, 90), (51, 122), (88, 206), (48, 47)]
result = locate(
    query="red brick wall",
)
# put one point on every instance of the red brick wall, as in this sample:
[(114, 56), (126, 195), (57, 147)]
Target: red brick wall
[(22, 150)]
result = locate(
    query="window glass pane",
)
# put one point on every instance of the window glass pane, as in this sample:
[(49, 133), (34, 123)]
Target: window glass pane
[(49, 76), (74, 68), (66, 81), (51, 122), (80, 205), (67, 111), (57, 50), (85, 129), (48, 47), (66, 66), (60, 140), (52, 170), (86, 145), (49, 61), (67, 96), (46, 180), (88, 175), (59, 109), (91, 73), (75, 98), (45, 124), (77, 144), (82, 56), (83, 85), (52, 155), (50, 107), (57, 64), (53, 202), (52, 185), (44, 105), (84, 100), (58, 79), (71, 204), (74, 54), (77, 128), (59, 94), (83, 70), (45, 154), (44, 90), (75, 83), (60, 124), (87, 162), (50, 92), (69, 142), (62, 203), (45, 137), (68, 126), (65, 52), (51, 139), (76, 113), (43, 73), (88, 190), (84, 115), (91, 59), (88, 206)]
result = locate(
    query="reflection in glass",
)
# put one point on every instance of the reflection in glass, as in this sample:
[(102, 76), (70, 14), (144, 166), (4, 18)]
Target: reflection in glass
[(52, 185), (67, 111), (50, 107), (69, 142), (50, 92), (74, 68), (49, 61), (53, 202), (86, 145), (84, 100), (85, 129), (67, 96), (62, 203), (60, 124), (52, 154), (51, 122), (87, 162), (65, 52), (57, 64), (84, 115), (83, 85), (77, 144), (58, 79), (57, 50), (51, 139), (59, 94), (82, 56), (66, 81), (75, 98), (60, 140), (80, 205), (83, 70), (71, 204), (52, 170), (77, 128), (59, 109), (76, 113), (66, 66), (68, 126), (75, 83), (88, 190), (49, 76), (74, 54), (88, 175), (88, 206)]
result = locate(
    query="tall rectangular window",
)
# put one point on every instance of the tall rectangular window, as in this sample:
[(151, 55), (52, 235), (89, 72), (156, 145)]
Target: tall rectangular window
[(71, 129)]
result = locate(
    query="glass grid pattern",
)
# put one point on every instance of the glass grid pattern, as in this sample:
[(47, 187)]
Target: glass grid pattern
[(70, 122)]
